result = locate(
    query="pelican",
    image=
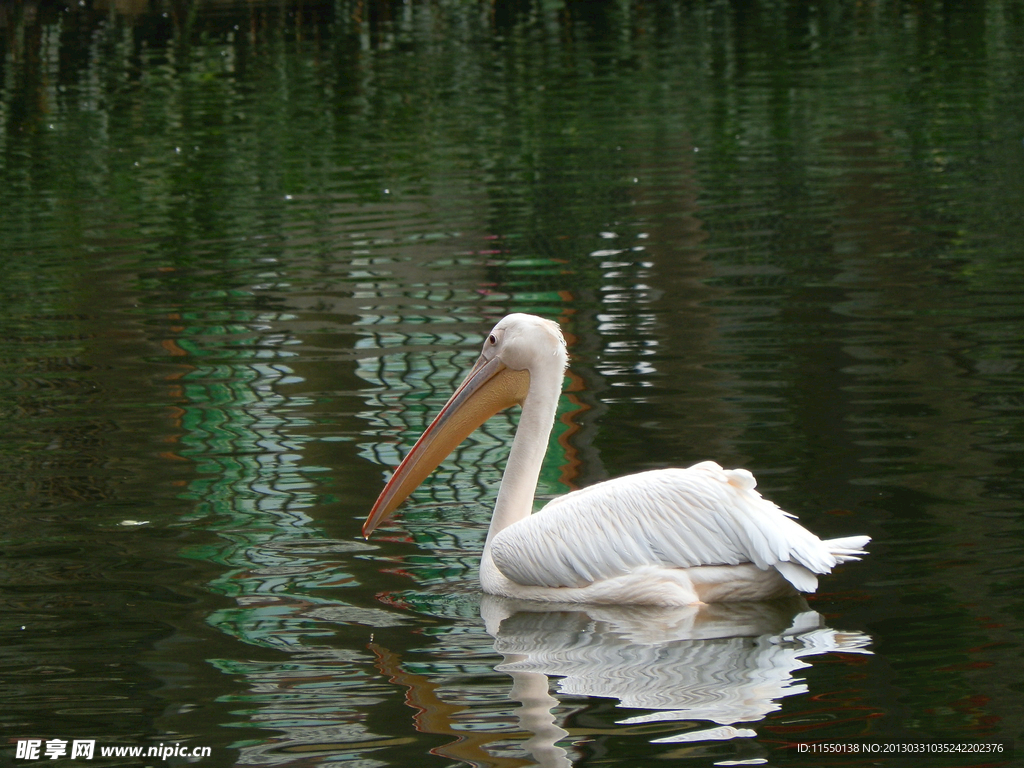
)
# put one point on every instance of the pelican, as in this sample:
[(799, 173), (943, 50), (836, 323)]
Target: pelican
[(663, 537)]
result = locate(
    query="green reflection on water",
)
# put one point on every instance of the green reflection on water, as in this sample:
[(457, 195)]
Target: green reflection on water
[(826, 201)]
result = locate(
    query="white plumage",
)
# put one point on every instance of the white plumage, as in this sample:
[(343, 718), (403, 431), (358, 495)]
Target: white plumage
[(668, 537), (679, 518)]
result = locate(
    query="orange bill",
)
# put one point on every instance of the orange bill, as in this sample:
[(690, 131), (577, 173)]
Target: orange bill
[(489, 388)]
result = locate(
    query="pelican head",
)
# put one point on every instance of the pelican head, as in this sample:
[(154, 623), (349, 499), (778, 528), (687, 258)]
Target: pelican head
[(520, 350)]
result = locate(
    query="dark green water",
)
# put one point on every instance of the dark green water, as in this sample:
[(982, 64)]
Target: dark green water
[(248, 250)]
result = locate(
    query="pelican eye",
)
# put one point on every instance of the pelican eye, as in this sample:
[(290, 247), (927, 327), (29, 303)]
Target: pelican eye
[(492, 339)]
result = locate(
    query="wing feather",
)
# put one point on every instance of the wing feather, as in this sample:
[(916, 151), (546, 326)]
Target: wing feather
[(683, 518)]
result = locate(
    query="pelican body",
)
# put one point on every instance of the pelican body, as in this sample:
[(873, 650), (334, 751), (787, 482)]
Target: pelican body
[(663, 537)]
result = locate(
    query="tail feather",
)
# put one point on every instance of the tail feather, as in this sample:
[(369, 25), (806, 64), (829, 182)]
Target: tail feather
[(847, 548), (799, 576)]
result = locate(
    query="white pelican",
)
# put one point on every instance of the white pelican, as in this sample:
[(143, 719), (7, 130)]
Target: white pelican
[(663, 537)]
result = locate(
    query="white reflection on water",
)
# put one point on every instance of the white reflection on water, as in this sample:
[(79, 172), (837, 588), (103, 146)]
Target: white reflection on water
[(723, 663)]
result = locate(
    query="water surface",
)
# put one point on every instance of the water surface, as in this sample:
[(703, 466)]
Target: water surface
[(250, 249)]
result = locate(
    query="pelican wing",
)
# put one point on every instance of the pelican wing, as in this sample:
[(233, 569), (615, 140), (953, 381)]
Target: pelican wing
[(682, 518)]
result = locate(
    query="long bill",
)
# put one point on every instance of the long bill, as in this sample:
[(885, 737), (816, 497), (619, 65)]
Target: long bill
[(489, 388)]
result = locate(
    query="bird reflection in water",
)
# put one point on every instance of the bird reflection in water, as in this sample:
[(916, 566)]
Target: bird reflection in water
[(711, 668)]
